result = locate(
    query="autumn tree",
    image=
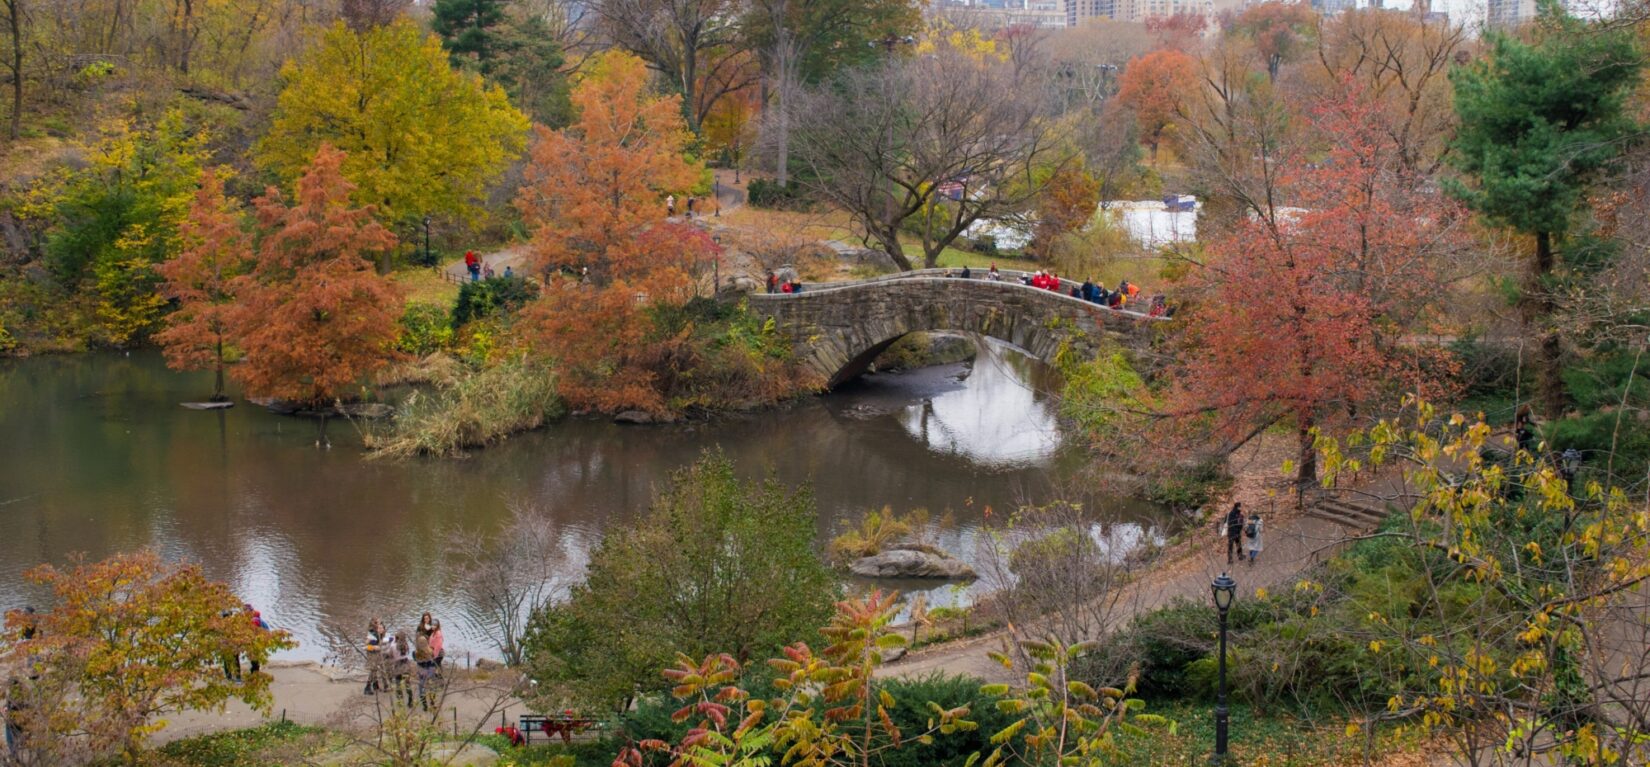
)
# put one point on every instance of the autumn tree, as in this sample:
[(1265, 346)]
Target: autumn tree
[(731, 127), (800, 42), (882, 142), (135, 638), (592, 188), (1280, 31), (717, 563), (1180, 31), (14, 62), (312, 316), (687, 41), (1531, 645), (1403, 62), (419, 136), (1539, 121), (1068, 202), (215, 249), (1152, 86), (116, 217), (1302, 309)]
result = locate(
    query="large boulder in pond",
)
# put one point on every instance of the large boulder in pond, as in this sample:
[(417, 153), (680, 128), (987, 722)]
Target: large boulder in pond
[(912, 562)]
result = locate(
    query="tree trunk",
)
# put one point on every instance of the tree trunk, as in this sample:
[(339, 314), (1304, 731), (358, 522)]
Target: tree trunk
[(14, 9), (1538, 308), (217, 391), (1306, 473)]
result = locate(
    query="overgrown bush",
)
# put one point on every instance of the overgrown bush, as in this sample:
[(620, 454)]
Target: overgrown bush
[(763, 193), (471, 411), (425, 329), (486, 298)]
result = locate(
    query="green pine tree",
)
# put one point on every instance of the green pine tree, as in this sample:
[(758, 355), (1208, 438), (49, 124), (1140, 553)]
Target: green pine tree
[(471, 29), (1539, 121)]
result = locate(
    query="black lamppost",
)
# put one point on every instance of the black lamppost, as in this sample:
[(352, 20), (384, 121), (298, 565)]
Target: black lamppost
[(427, 241), (716, 266), (1224, 589)]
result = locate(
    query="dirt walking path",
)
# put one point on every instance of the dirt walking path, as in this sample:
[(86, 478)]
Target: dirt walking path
[(313, 694), (1293, 543)]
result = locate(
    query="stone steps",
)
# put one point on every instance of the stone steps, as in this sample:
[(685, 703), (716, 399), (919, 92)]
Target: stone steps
[(1356, 515)]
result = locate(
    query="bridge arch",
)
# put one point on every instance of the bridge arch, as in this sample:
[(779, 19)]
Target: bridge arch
[(838, 329)]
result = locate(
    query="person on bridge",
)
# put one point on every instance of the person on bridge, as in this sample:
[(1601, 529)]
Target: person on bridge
[(796, 286), (994, 275), (1087, 290), (1233, 524), (785, 288), (966, 275), (773, 283)]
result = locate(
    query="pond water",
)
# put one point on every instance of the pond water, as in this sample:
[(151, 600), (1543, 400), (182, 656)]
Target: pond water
[(98, 458)]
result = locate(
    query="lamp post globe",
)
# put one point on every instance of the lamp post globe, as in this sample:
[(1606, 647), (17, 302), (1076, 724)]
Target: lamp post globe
[(1224, 590)]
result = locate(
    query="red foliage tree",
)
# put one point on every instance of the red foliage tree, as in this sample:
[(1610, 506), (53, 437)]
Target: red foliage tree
[(215, 249), (312, 316), (1180, 31), (1304, 308), (1152, 85)]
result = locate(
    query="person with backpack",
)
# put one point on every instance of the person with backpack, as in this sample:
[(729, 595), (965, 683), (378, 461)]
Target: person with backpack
[(399, 663), (1234, 531), (1252, 536), (254, 659), (424, 658)]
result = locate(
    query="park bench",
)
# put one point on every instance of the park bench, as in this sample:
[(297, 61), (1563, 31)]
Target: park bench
[(564, 724)]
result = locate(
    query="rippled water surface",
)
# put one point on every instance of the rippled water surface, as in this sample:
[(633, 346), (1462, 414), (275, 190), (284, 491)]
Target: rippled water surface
[(98, 457)]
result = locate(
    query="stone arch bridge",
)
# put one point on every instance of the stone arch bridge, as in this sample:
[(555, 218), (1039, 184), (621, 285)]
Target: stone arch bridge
[(839, 328)]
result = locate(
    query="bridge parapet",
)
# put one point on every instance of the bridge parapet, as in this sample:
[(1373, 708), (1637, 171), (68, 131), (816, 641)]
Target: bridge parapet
[(838, 329)]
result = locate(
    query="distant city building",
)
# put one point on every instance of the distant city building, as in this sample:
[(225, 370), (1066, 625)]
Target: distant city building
[(1079, 11), (1505, 14)]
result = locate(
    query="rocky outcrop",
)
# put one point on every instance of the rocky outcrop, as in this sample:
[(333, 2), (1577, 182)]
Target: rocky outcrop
[(912, 562), (641, 417)]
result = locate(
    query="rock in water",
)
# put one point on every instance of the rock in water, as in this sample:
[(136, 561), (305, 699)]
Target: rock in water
[(912, 563)]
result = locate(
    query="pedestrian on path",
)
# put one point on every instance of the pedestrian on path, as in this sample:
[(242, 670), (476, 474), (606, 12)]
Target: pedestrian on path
[(473, 264), (377, 639), (1253, 534), (670, 205), (1234, 531)]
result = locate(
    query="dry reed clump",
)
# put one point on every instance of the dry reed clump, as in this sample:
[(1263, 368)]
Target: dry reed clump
[(471, 410)]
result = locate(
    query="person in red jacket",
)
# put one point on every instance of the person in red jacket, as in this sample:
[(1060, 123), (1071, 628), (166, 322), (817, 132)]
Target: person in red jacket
[(472, 263)]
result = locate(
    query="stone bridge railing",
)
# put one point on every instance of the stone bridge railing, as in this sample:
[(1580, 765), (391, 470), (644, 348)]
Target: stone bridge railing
[(840, 328)]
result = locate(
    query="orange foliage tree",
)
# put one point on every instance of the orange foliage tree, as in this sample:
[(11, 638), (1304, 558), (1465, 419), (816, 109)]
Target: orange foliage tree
[(130, 638), (730, 128), (312, 315), (594, 198), (592, 188), (1067, 202), (1152, 85), (215, 249), (1304, 308)]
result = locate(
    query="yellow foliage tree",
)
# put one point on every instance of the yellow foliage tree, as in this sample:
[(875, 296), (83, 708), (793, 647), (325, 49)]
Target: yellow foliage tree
[(420, 137)]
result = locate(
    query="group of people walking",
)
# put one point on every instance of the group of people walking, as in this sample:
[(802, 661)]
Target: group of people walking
[(397, 663), (694, 206), (1244, 535), (232, 661), (480, 270), (776, 285)]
